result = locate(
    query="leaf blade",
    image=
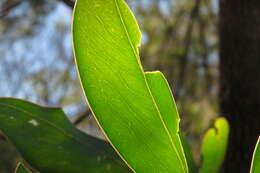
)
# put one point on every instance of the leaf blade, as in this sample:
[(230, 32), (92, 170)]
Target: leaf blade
[(255, 165), (164, 99), (106, 36), (57, 145), (214, 146), (188, 153)]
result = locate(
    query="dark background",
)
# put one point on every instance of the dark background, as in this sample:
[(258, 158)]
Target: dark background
[(208, 49)]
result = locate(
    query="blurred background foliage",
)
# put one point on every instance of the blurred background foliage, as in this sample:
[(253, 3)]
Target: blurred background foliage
[(179, 38)]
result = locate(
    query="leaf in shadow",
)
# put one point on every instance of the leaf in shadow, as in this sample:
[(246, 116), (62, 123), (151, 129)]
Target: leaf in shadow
[(49, 142)]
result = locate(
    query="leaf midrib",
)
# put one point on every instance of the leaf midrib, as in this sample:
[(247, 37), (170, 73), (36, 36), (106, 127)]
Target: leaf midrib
[(158, 111)]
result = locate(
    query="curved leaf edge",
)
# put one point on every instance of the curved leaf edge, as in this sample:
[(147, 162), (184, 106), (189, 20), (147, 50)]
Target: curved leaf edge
[(255, 154)]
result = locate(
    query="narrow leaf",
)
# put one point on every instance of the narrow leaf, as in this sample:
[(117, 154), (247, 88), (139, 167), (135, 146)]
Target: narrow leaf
[(50, 143), (188, 153), (22, 169), (214, 147), (106, 38), (167, 106), (163, 97), (255, 166)]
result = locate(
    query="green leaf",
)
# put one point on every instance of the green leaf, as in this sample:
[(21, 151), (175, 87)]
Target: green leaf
[(22, 169), (106, 38), (163, 97), (255, 166), (214, 147), (188, 153), (49, 142)]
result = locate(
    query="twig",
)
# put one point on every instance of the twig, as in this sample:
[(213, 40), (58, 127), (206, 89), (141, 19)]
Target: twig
[(205, 55), (8, 7), (2, 137), (83, 115), (187, 42)]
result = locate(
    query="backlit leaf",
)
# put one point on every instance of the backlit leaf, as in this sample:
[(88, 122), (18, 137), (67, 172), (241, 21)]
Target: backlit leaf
[(255, 167), (106, 39), (214, 147)]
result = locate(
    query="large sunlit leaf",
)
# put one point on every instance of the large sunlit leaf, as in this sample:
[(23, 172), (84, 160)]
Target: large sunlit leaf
[(106, 39), (22, 169), (49, 142), (255, 166), (214, 147)]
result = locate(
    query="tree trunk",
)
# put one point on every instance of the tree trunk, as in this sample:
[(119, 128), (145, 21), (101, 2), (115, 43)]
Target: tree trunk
[(240, 79)]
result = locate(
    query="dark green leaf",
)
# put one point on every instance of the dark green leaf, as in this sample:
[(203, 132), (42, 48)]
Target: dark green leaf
[(189, 154), (50, 143)]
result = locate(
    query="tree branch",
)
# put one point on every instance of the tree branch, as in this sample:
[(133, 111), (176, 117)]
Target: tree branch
[(8, 7), (12, 4), (187, 44), (69, 3)]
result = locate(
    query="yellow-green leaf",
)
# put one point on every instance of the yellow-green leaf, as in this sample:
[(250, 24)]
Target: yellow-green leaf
[(106, 39), (163, 98), (214, 147), (255, 166)]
